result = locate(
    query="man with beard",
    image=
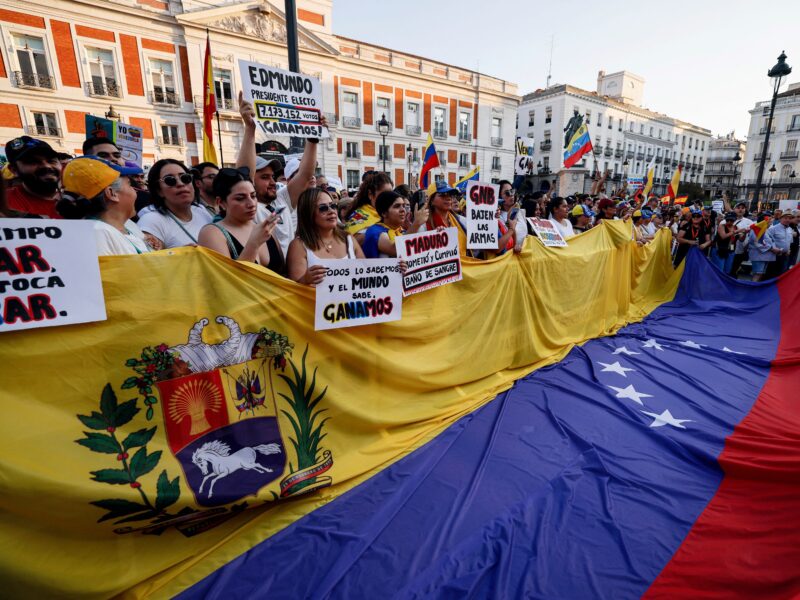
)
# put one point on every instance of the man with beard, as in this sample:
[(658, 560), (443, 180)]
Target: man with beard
[(37, 166), (204, 175)]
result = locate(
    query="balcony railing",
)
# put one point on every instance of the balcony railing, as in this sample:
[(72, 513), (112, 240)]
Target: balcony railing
[(674, 162), (763, 130), (439, 133), (333, 120), (463, 164), (413, 130), (385, 155), (109, 88), (640, 156), (170, 141), (546, 145), (608, 151), (351, 122), (617, 153), (496, 141), (659, 159), (34, 80), (464, 136), (164, 98), (43, 131), (629, 154), (649, 157), (222, 103), (789, 155), (757, 157)]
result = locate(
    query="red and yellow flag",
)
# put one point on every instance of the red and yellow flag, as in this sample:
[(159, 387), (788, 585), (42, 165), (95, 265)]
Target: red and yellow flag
[(681, 200), (672, 189), (760, 227), (209, 106)]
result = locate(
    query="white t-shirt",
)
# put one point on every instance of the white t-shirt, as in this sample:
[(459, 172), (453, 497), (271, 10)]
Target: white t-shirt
[(742, 223), (170, 230), (111, 241), (650, 228), (287, 223), (565, 228)]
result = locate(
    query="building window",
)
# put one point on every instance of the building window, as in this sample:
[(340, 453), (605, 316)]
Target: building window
[(169, 135), (497, 127), (546, 163), (223, 89), (588, 119), (597, 142), (45, 124), (439, 120), (162, 79), (495, 163), (641, 128), (547, 135), (438, 178), (703, 146), (102, 72), (786, 170), (669, 136), (630, 128), (32, 60), (463, 159), (440, 154), (384, 107), (651, 132), (619, 124), (611, 122), (384, 153), (353, 178), (795, 123), (464, 120), (548, 114), (599, 119), (352, 150), (531, 118)]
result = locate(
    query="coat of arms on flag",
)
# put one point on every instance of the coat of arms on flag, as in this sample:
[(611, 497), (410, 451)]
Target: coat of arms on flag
[(224, 424)]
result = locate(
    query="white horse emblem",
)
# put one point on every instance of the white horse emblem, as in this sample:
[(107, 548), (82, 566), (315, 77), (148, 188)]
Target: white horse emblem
[(223, 463)]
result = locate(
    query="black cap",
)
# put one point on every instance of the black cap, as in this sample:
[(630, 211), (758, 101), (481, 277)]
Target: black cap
[(23, 146), (731, 216), (740, 203)]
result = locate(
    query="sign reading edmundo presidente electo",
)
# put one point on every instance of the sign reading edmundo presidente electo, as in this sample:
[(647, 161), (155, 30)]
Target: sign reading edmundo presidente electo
[(285, 103)]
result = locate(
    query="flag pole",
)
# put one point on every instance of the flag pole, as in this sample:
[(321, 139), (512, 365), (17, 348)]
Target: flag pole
[(219, 137)]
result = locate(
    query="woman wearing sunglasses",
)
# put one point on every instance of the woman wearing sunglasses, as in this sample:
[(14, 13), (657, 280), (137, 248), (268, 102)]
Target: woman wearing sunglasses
[(237, 235), (174, 219), (318, 238)]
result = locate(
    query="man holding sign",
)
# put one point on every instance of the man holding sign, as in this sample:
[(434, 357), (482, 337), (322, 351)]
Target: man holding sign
[(285, 103)]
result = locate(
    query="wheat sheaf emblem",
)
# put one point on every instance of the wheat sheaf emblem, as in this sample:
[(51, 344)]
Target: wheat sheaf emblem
[(193, 399)]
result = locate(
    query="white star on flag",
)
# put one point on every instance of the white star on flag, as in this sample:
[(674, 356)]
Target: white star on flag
[(666, 418), (691, 344), (630, 393), (726, 349), (652, 344), (614, 368), (624, 350)]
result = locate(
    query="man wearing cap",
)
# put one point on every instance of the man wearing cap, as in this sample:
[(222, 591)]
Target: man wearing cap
[(772, 247), (299, 177), (742, 225), (100, 190), (37, 166), (581, 218)]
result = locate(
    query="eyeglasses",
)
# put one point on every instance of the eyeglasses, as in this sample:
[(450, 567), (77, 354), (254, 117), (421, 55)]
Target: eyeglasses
[(172, 181), (109, 155), (508, 193), (323, 208)]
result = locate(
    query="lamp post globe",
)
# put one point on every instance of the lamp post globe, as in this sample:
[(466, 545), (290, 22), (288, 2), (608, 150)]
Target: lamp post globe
[(776, 73), (383, 129)]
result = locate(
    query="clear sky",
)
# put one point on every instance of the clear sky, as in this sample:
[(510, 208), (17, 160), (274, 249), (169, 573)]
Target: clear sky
[(703, 61)]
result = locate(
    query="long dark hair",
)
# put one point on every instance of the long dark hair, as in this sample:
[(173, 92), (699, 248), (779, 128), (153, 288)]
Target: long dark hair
[(371, 184), (553, 204), (306, 211), (153, 177), (225, 180)]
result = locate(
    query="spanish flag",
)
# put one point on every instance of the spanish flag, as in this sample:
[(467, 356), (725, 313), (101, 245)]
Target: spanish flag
[(672, 189), (681, 200), (209, 106), (665, 199), (430, 160)]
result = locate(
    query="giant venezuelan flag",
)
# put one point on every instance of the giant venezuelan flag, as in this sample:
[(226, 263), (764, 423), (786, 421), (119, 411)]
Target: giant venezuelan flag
[(660, 459), (579, 145)]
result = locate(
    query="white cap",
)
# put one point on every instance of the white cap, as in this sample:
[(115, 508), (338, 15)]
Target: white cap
[(292, 165)]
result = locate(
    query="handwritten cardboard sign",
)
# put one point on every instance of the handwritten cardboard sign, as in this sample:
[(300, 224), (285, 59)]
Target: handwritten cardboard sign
[(285, 103), (482, 229), (49, 274), (358, 292), (547, 233), (432, 258)]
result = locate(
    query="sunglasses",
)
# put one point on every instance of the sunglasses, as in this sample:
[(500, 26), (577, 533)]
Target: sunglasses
[(108, 155), (172, 181), (323, 208), (508, 193)]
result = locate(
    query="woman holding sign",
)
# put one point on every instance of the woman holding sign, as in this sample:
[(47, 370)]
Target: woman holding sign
[(237, 235), (441, 206), (318, 238)]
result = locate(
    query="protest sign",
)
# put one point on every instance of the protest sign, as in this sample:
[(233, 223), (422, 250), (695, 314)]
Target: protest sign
[(635, 182), (285, 103), (49, 274), (358, 292), (548, 234), (481, 220), (717, 205), (432, 258), (523, 164), (128, 138)]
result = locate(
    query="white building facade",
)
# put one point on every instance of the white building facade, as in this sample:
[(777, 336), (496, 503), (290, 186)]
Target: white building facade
[(65, 59), (622, 131), (724, 162), (782, 153)]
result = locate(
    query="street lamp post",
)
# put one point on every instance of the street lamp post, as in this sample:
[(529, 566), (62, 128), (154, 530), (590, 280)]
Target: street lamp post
[(734, 185), (409, 156), (792, 175), (772, 170), (383, 129), (778, 72)]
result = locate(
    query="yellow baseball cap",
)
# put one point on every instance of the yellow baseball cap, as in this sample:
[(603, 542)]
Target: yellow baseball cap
[(89, 175)]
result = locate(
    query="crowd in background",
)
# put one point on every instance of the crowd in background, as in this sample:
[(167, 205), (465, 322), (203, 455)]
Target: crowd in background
[(277, 213)]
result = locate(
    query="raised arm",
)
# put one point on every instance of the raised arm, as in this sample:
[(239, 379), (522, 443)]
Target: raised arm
[(247, 152), (308, 165)]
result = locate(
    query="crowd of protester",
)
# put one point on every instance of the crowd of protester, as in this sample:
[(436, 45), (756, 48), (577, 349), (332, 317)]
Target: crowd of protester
[(279, 215)]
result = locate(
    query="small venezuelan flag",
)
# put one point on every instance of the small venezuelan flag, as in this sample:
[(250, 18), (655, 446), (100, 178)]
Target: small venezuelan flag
[(430, 160)]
